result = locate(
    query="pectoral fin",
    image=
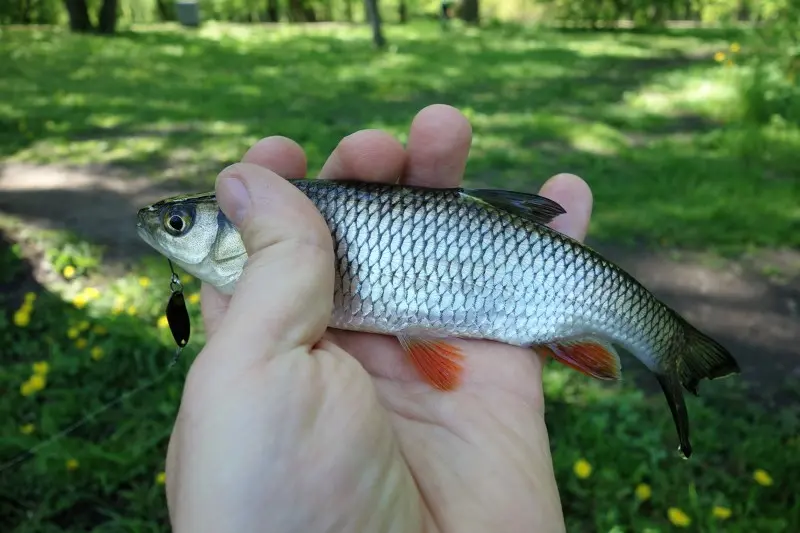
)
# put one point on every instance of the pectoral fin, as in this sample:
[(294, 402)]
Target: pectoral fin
[(437, 361), (590, 356)]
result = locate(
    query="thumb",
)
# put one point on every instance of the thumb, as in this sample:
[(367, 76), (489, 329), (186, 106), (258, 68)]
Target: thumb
[(284, 297)]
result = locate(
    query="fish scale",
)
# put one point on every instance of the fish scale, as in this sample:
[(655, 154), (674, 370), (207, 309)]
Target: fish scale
[(427, 264), (531, 306)]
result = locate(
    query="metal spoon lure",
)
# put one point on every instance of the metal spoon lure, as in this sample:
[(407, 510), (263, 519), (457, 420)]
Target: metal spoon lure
[(177, 314)]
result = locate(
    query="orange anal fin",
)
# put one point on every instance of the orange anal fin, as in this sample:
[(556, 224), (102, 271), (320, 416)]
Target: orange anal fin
[(437, 361), (589, 356)]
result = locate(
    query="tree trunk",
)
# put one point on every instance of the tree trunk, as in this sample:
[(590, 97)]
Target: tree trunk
[(402, 11), (299, 11), (24, 12), (78, 16), (107, 17), (295, 11), (374, 18), (166, 10), (470, 12), (348, 10), (272, 11)]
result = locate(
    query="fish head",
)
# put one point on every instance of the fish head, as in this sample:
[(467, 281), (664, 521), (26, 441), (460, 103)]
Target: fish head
[(193, 233)]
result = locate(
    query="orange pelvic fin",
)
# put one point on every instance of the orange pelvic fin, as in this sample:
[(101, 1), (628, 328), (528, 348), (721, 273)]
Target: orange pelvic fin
[(437, 361), (590, 356)]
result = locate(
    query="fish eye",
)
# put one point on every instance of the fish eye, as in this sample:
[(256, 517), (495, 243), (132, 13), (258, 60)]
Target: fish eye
[(177, 222)]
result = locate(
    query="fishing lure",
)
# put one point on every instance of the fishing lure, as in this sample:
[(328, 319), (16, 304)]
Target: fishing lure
[(177, 315)]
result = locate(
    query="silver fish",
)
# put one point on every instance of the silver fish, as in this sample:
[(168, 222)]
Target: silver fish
[(426, 264)]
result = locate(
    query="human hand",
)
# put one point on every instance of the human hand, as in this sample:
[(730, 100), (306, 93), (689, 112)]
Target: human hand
[(287, 426)]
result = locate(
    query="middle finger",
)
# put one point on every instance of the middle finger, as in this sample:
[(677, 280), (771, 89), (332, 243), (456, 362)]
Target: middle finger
[(366, 155), (438, 146)]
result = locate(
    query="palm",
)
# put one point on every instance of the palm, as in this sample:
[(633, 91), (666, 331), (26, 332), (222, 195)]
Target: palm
[(467, 434), (448, 438)]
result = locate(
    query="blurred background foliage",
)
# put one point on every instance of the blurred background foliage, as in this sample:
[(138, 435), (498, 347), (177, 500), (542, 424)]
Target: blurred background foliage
[(684, 116), (769, 86)]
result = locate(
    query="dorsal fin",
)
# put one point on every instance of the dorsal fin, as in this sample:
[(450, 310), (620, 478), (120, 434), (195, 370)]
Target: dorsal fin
[(529, 206)]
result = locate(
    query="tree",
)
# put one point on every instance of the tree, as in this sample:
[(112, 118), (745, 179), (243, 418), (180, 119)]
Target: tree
[(300, 11), (272, 11), (470, 11), (80, 22), (166, 10), (374, 17), (78, 13), (107, 17)]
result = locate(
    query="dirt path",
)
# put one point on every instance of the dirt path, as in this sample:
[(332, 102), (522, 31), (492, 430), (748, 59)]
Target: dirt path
[(757, 319)]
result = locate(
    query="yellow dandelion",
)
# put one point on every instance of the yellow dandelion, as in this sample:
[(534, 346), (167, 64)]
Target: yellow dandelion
[(83, 325), (735, 48), (72, 333), (719, 57), (582, 468), (22, 318), (69, 272), (38, 381), (27, 429), (144, 281), (721, 513), (30, 297), (97, 353), (678, 517), (643, 491), (100, 330), (72, 464), (80, 300), (81, 344), (132, 310), (161, 478), (119, 305), (194, 298), (27, 388), (186, 278), (91, 293), (34, 384), (729, 63), (163, 323), (762, 477), (41, 367)]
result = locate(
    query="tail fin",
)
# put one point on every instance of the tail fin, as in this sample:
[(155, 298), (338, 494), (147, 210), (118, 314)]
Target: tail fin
[(701, 357)]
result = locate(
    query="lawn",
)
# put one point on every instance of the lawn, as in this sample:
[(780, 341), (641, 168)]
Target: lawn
[(647, 119)]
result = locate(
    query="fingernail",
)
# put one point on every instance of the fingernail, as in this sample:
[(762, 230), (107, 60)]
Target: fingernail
[(234, 199)]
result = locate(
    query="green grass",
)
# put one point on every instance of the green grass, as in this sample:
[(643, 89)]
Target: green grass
[(652, 130), (626, 436), (644, 118)]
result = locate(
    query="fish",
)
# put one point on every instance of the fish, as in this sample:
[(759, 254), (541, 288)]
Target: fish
[(427, 265)]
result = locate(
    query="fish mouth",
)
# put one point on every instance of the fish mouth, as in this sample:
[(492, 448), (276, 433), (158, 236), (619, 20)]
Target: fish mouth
[(142, 225)]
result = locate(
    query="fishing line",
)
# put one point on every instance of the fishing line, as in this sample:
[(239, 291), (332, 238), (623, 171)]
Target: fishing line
[(180, 326), (72, 427)]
